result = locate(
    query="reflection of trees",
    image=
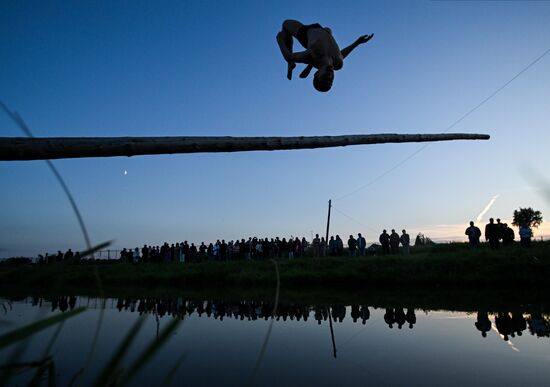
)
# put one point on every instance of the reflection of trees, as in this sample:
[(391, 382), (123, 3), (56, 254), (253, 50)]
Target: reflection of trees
[(510, 324), (539, 325)]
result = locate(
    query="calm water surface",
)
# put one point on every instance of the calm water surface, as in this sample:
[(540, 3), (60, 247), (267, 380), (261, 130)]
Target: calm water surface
[(234, 343)]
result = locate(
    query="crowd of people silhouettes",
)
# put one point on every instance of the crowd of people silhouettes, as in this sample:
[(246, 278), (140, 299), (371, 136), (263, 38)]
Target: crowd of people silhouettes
[(253, 248), (496, 235)]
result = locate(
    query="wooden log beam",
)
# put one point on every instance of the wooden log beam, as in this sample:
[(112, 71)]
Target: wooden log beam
[(22, 148)]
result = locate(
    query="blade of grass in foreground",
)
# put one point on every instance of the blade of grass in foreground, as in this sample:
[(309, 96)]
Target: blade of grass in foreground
[(110, 369), (170, 375), (31, 329), (150, 351), (16, 366), (92, 250), (252, 378), (46, 366), (53, 339)]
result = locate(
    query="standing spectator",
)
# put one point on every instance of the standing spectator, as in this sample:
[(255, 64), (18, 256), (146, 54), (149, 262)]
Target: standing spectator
[(242, 249), (180, 253), (192, 253), (247, 248), (164, 252), (266, 248), (491, 234), (384, 240), (500, 229), (352, 246), (68, 255), (304, 246), (339, 245), (474, 233), (185, 250), (284, 248), (135, 257), (145, 253), (202, 252), (223, 250), (216, 250), (508, 236), (259, 249), (323, 247), (316, 246), (297, 248), (291, 247), (361, 244), (394, 242), (177, 252), (525, 235), (405, 240), (275, 248), (210, 252), (332, 246)]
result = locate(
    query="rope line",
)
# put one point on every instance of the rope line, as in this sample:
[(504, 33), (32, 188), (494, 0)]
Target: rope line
[(374, 180), (353, 219)]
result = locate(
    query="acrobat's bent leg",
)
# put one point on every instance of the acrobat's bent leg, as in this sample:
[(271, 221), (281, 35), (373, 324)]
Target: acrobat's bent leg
[(284, 38), (292, 27)]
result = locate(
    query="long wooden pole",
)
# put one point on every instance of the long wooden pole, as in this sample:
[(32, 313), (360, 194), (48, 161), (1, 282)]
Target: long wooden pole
[(22, 148)]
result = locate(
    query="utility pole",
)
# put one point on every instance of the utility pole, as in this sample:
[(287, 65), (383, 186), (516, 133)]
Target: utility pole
[(328, 222)]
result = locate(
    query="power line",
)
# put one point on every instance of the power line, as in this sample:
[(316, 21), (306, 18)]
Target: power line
[(383, 174), (352, 219)]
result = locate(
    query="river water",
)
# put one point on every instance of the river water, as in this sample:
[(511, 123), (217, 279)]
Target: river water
[(250, 342)]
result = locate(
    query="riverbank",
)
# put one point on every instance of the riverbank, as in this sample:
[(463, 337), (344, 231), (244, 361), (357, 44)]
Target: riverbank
[(444, 265)]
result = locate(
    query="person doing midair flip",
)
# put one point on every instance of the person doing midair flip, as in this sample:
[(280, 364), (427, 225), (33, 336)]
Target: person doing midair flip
[(322, 51)]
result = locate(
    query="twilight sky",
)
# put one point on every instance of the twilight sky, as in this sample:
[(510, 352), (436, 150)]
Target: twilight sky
[(143, 68)]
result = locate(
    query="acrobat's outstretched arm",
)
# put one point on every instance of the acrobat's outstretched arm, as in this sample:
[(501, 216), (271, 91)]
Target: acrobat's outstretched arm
[(305, 72), (360, 40)]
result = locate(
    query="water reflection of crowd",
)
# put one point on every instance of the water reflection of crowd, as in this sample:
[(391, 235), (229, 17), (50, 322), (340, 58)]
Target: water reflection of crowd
[(507, 324), (399, 317), (512, 324), (63, 303)]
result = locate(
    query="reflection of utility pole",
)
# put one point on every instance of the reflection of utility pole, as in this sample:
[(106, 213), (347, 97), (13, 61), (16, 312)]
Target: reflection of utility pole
[(328, 222), (331, 332), (158, 323)]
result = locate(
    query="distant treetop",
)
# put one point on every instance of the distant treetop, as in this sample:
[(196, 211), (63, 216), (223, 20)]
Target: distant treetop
[(527, 217)]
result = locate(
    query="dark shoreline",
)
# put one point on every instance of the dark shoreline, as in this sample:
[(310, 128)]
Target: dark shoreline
[(435, 278), (455, 299)]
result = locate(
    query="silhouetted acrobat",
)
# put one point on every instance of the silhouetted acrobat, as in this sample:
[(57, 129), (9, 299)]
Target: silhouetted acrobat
[(322, 51)]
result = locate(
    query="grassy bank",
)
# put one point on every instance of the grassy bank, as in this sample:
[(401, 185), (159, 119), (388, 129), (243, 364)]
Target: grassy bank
[(444, 265)]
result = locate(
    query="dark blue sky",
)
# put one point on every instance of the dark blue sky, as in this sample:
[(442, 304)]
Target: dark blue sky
[(214, 68)]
